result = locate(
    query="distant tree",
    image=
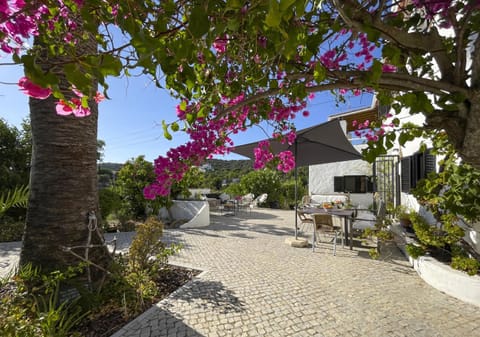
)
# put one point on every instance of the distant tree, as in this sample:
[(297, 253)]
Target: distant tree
[(263, 181), (110, 201), (131, 180), (15, 154), (100, 150)]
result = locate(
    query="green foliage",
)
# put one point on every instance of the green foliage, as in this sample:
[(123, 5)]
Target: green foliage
[(263, 181), (17, 197), (11, 229), (454, 189), (414, 251), (433, 236), (57, 319), (110, 201), (193, 178), (146, 244), (466, 264), (134, 276), (15, 154), (32, 306), (131, 180), (374, 253)]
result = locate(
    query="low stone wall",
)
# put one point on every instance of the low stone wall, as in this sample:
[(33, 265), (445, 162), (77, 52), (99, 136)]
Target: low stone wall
[(195, 213), (439, 275)]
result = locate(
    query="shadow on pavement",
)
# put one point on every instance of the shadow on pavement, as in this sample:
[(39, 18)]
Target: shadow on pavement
[(210, 295)]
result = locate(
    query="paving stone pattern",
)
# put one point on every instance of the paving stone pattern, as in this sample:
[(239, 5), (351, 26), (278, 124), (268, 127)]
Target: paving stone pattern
[(254, 284)]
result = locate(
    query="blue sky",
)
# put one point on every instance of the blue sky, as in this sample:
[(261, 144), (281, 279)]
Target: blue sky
[(130, 123)]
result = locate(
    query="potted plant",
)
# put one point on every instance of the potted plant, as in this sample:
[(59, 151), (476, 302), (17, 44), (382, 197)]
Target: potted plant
[(402, 214)]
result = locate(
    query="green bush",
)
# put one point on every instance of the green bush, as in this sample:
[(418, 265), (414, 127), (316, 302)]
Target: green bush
[(466, 264), (11, 229), (110, 202), (263, 181), (414, 251), (31, 305)]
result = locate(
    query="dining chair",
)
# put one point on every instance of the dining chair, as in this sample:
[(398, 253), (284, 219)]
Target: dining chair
[(324, 223), (305, 220), (245, 201)]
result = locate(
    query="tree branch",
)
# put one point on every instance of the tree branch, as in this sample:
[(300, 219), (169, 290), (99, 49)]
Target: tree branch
[(355, 15)]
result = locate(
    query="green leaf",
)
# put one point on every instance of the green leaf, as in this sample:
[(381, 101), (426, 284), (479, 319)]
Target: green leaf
[(110, 65), (175, 127), (198, 22), (319, 73), (273, 17), (285, 4), (166, 134)]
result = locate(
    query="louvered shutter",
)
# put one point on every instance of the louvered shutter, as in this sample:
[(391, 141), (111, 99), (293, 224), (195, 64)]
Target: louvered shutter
[(338, 185)]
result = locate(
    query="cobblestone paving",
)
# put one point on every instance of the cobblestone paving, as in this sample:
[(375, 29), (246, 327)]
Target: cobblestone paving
[(254, 284)]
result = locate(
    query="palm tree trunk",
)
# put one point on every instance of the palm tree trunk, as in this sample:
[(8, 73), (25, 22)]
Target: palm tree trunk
[(63, 187)]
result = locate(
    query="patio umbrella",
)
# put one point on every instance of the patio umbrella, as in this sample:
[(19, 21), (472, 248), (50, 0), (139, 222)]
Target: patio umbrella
[(319, 144)]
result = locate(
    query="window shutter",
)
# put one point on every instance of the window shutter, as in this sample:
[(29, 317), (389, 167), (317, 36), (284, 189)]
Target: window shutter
[(406, 174), (338, 185)]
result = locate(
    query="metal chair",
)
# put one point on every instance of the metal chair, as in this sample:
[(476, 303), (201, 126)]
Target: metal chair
[(258, 200), (323, 222), (245, 201), (305, 220)]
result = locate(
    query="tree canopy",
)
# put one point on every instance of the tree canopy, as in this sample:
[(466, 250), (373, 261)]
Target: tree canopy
[(233, 64)]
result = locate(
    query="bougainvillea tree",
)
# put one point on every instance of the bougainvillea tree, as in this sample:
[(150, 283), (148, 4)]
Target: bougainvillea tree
[(233, 64)]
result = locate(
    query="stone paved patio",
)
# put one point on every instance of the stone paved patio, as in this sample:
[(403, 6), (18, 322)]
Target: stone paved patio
[(254, 284)]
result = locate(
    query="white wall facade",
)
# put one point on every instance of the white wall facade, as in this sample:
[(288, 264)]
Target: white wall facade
[(320, 179)]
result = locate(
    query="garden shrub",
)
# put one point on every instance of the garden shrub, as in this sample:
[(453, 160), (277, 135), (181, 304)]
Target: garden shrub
[(11, 229), (466, 264)]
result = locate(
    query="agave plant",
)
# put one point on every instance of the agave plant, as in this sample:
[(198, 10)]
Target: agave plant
[(17, 197)]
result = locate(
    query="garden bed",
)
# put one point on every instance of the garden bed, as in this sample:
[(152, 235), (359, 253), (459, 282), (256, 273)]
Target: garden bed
[(438, 273)]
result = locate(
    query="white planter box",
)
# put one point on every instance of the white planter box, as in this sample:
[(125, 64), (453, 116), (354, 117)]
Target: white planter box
[(439, 275), (196, 213)]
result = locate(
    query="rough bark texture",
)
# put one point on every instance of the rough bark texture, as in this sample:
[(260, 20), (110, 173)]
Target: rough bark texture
[(63, 185)]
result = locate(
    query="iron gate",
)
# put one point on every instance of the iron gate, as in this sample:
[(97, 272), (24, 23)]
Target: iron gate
[(387, 179)]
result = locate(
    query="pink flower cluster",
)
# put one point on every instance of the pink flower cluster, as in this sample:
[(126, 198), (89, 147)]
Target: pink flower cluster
[(369, 130), (31, 89), (220, 44), (209, 136), (17, 24), (286, 161), (63, 108), (332, 59), (20, 20), (433, 7), (75, 105), (263, 155)]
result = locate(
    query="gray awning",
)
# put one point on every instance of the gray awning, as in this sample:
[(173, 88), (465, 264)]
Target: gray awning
[(319, 144)]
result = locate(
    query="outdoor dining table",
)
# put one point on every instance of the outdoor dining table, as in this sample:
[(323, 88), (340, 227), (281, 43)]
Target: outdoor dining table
[(344, 213)]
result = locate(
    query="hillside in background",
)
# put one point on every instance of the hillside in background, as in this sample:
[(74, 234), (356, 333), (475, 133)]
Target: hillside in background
[(110, 166), (230, 165), (216, 164)]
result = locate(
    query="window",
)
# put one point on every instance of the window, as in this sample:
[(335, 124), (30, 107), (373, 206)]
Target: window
[(352, 184), (415, 168)]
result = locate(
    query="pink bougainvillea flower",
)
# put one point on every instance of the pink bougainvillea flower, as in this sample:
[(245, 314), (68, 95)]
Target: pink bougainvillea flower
[(63, 108), (389, 68), (73, 107), (31, 89), (99, 97), (220, 45)]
